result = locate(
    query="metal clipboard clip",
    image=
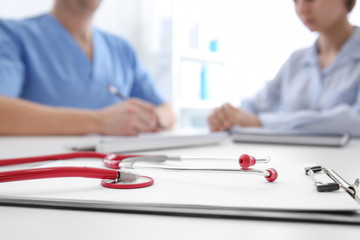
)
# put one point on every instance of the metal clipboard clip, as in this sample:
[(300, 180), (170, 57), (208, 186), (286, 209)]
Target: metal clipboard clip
[(338, 183)]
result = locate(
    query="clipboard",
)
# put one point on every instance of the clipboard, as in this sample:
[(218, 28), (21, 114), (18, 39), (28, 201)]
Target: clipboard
[(289, 137), (292, 198), (337, 181)]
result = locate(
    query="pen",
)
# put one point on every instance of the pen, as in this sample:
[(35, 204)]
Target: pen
[(116, 92), (112, 89)]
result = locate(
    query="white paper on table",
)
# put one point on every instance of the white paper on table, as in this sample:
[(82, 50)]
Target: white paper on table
[(178, 138)]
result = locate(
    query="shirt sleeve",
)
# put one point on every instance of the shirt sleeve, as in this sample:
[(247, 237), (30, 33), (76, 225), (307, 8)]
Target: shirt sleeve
[(341, 119), (143, 87), (11, 64)]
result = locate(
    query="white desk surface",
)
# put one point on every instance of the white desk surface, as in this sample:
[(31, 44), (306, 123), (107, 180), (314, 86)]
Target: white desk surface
[(41, 223)]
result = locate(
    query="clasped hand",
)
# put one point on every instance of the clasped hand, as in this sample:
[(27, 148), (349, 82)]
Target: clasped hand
[(227, 116), (130, 117)]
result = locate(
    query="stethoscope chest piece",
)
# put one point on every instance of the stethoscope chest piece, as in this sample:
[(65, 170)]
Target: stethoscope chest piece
[(140, 182)]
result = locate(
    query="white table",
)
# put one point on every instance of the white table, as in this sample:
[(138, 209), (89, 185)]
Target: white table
[(37, 223)]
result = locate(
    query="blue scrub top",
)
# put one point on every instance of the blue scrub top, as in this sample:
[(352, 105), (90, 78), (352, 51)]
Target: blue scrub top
[(305, 97), (40, 61)]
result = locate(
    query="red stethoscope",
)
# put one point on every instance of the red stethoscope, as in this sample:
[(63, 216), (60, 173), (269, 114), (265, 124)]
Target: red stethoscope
[(120, 178)]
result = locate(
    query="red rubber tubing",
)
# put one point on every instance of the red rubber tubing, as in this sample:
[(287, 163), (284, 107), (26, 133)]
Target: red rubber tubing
[(56, 172), (13, 161)]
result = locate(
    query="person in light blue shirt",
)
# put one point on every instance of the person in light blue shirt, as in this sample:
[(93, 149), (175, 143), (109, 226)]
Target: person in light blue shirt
[(318, 88), (55, 70)]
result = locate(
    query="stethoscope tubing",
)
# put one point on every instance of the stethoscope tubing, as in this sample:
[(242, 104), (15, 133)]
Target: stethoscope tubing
[(62, 156), (57, 172), (109, 178)]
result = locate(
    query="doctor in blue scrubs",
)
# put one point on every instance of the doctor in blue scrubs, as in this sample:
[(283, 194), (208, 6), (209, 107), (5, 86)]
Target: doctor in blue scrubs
[(55, 70), (318, 88)]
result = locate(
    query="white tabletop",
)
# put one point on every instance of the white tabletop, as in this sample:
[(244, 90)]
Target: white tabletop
[(41, 223)]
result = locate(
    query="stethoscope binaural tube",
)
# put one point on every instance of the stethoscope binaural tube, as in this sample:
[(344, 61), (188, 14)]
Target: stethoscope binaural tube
[(113, 161), (270, 174), (245, 162)]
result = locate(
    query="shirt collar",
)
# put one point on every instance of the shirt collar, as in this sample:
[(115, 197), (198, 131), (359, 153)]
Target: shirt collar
[(310, 56), (349, 51)]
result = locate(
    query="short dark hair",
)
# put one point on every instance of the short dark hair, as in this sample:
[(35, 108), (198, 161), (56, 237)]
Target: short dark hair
[(350, 4)]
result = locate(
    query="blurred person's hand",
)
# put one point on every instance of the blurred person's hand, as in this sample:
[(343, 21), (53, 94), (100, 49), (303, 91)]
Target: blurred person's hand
[(227, 116), (128, 118)]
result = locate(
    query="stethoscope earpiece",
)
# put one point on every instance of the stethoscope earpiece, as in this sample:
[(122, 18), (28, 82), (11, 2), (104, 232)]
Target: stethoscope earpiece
[(273, 175), (247, 161)]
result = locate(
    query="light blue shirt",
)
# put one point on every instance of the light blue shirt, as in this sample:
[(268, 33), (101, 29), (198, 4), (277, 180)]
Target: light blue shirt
[(40, 61), (305, 97)]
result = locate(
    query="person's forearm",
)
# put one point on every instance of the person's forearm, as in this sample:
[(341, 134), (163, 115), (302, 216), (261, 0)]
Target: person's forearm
[(340, 119), (20, 117)]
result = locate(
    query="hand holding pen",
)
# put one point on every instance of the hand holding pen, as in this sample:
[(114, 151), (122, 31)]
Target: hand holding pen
[(142, 114)]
